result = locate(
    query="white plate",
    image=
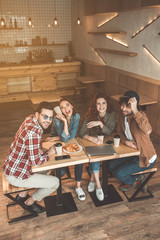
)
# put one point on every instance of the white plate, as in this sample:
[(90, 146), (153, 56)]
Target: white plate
[(80, 149)]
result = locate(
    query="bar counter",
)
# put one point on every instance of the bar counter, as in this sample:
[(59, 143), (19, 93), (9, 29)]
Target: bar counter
[(38, 77)]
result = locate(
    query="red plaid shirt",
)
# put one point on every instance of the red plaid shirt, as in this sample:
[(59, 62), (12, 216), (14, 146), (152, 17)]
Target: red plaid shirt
[(25, 150)]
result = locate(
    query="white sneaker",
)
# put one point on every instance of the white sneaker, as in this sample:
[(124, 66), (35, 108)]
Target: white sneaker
[(91, 186), (80, 193), (100, 194)]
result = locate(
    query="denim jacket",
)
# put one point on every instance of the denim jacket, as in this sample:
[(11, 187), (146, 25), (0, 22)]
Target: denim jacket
[(58, 128)]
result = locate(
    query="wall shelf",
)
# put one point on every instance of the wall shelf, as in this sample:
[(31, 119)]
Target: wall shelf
[(130, 54), (11, 29), (110, 33), (48, 45)]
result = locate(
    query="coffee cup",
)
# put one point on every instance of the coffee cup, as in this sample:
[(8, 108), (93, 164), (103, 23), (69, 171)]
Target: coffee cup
[(116, 140), (58, 147), (57, 110), (101, 137)]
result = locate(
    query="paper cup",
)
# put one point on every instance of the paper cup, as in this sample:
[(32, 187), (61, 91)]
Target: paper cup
[(101, 137), (116, 140), (58, 147), (57, 110)]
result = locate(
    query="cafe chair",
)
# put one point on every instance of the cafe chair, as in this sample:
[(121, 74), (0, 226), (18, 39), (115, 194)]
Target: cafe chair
[(143, 185)]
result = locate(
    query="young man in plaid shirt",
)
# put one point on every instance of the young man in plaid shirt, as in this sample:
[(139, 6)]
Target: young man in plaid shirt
[(25, 152)]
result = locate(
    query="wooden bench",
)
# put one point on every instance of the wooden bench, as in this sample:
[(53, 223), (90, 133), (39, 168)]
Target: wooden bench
[(78, 88), (149, 174), (10, 191)]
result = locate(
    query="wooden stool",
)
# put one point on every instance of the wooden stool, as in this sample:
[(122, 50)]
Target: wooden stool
[(8, 190), (150, 173)]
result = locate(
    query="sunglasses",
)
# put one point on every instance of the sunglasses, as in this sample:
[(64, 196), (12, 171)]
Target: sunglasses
[(45, 117)]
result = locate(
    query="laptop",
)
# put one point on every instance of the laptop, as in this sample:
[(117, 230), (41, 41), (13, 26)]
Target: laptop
[(100, 150)]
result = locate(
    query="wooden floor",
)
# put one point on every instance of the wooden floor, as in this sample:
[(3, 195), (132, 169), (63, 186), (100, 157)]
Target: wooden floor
[(121, 221)]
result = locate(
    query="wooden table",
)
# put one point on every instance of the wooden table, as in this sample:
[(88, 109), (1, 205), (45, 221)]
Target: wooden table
[(111, 195), (144, 100), (62, 203), (36, 98)]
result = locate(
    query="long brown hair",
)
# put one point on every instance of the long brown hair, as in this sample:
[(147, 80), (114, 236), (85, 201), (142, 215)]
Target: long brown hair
[(92, 110)]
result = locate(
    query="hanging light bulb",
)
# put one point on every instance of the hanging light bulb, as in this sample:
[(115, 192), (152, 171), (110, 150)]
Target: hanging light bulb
[(78, 21), (30, 22), (2, 22), (55, 21)]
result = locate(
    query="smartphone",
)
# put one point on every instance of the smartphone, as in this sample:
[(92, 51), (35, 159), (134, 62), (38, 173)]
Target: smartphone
[(109, 142), (57, 158)]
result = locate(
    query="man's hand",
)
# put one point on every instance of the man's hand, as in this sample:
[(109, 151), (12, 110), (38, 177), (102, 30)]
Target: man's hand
[(131, 144), (51, 151), (52, 139), (133, 103), (94, 124)]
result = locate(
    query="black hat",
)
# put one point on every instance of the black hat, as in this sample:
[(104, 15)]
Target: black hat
[(131, 94)]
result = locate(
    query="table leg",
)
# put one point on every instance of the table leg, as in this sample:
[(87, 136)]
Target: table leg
[(60, 203), (110, 193), (105, 178), (59, 190)]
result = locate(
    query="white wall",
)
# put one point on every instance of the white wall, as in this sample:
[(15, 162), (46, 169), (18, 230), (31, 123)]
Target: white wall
[(130, 22), (42, 13)]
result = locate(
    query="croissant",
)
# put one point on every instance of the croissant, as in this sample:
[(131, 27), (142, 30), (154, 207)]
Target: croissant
[(73, 147)]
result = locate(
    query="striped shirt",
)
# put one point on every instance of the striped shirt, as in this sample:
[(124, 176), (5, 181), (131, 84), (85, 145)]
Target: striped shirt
[(25, 150)]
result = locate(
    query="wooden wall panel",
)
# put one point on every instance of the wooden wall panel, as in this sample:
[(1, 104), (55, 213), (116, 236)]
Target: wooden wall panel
[(44, 82), (112, 76), (36, 77), (131, 4), (95, 70), (157, 123), (107, 6), (152, 112), (147, 89), (66, 80), (20, 84), (3, 86), (158, 93), (111, 88), (128, 82)]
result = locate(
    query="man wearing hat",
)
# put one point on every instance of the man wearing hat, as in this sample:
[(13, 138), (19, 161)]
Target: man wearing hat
[(134, 130)]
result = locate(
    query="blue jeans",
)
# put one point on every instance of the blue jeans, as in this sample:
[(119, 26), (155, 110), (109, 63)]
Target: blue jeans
[(123, 168), (94, 167), (78, 172)]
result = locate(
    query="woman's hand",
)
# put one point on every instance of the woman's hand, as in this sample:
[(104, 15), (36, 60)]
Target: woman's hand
[(131, 144), (98, 141), (61, 117), (93, 139), (94, 124)]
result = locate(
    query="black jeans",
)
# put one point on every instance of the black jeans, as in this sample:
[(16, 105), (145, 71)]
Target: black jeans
[(78, 172)]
